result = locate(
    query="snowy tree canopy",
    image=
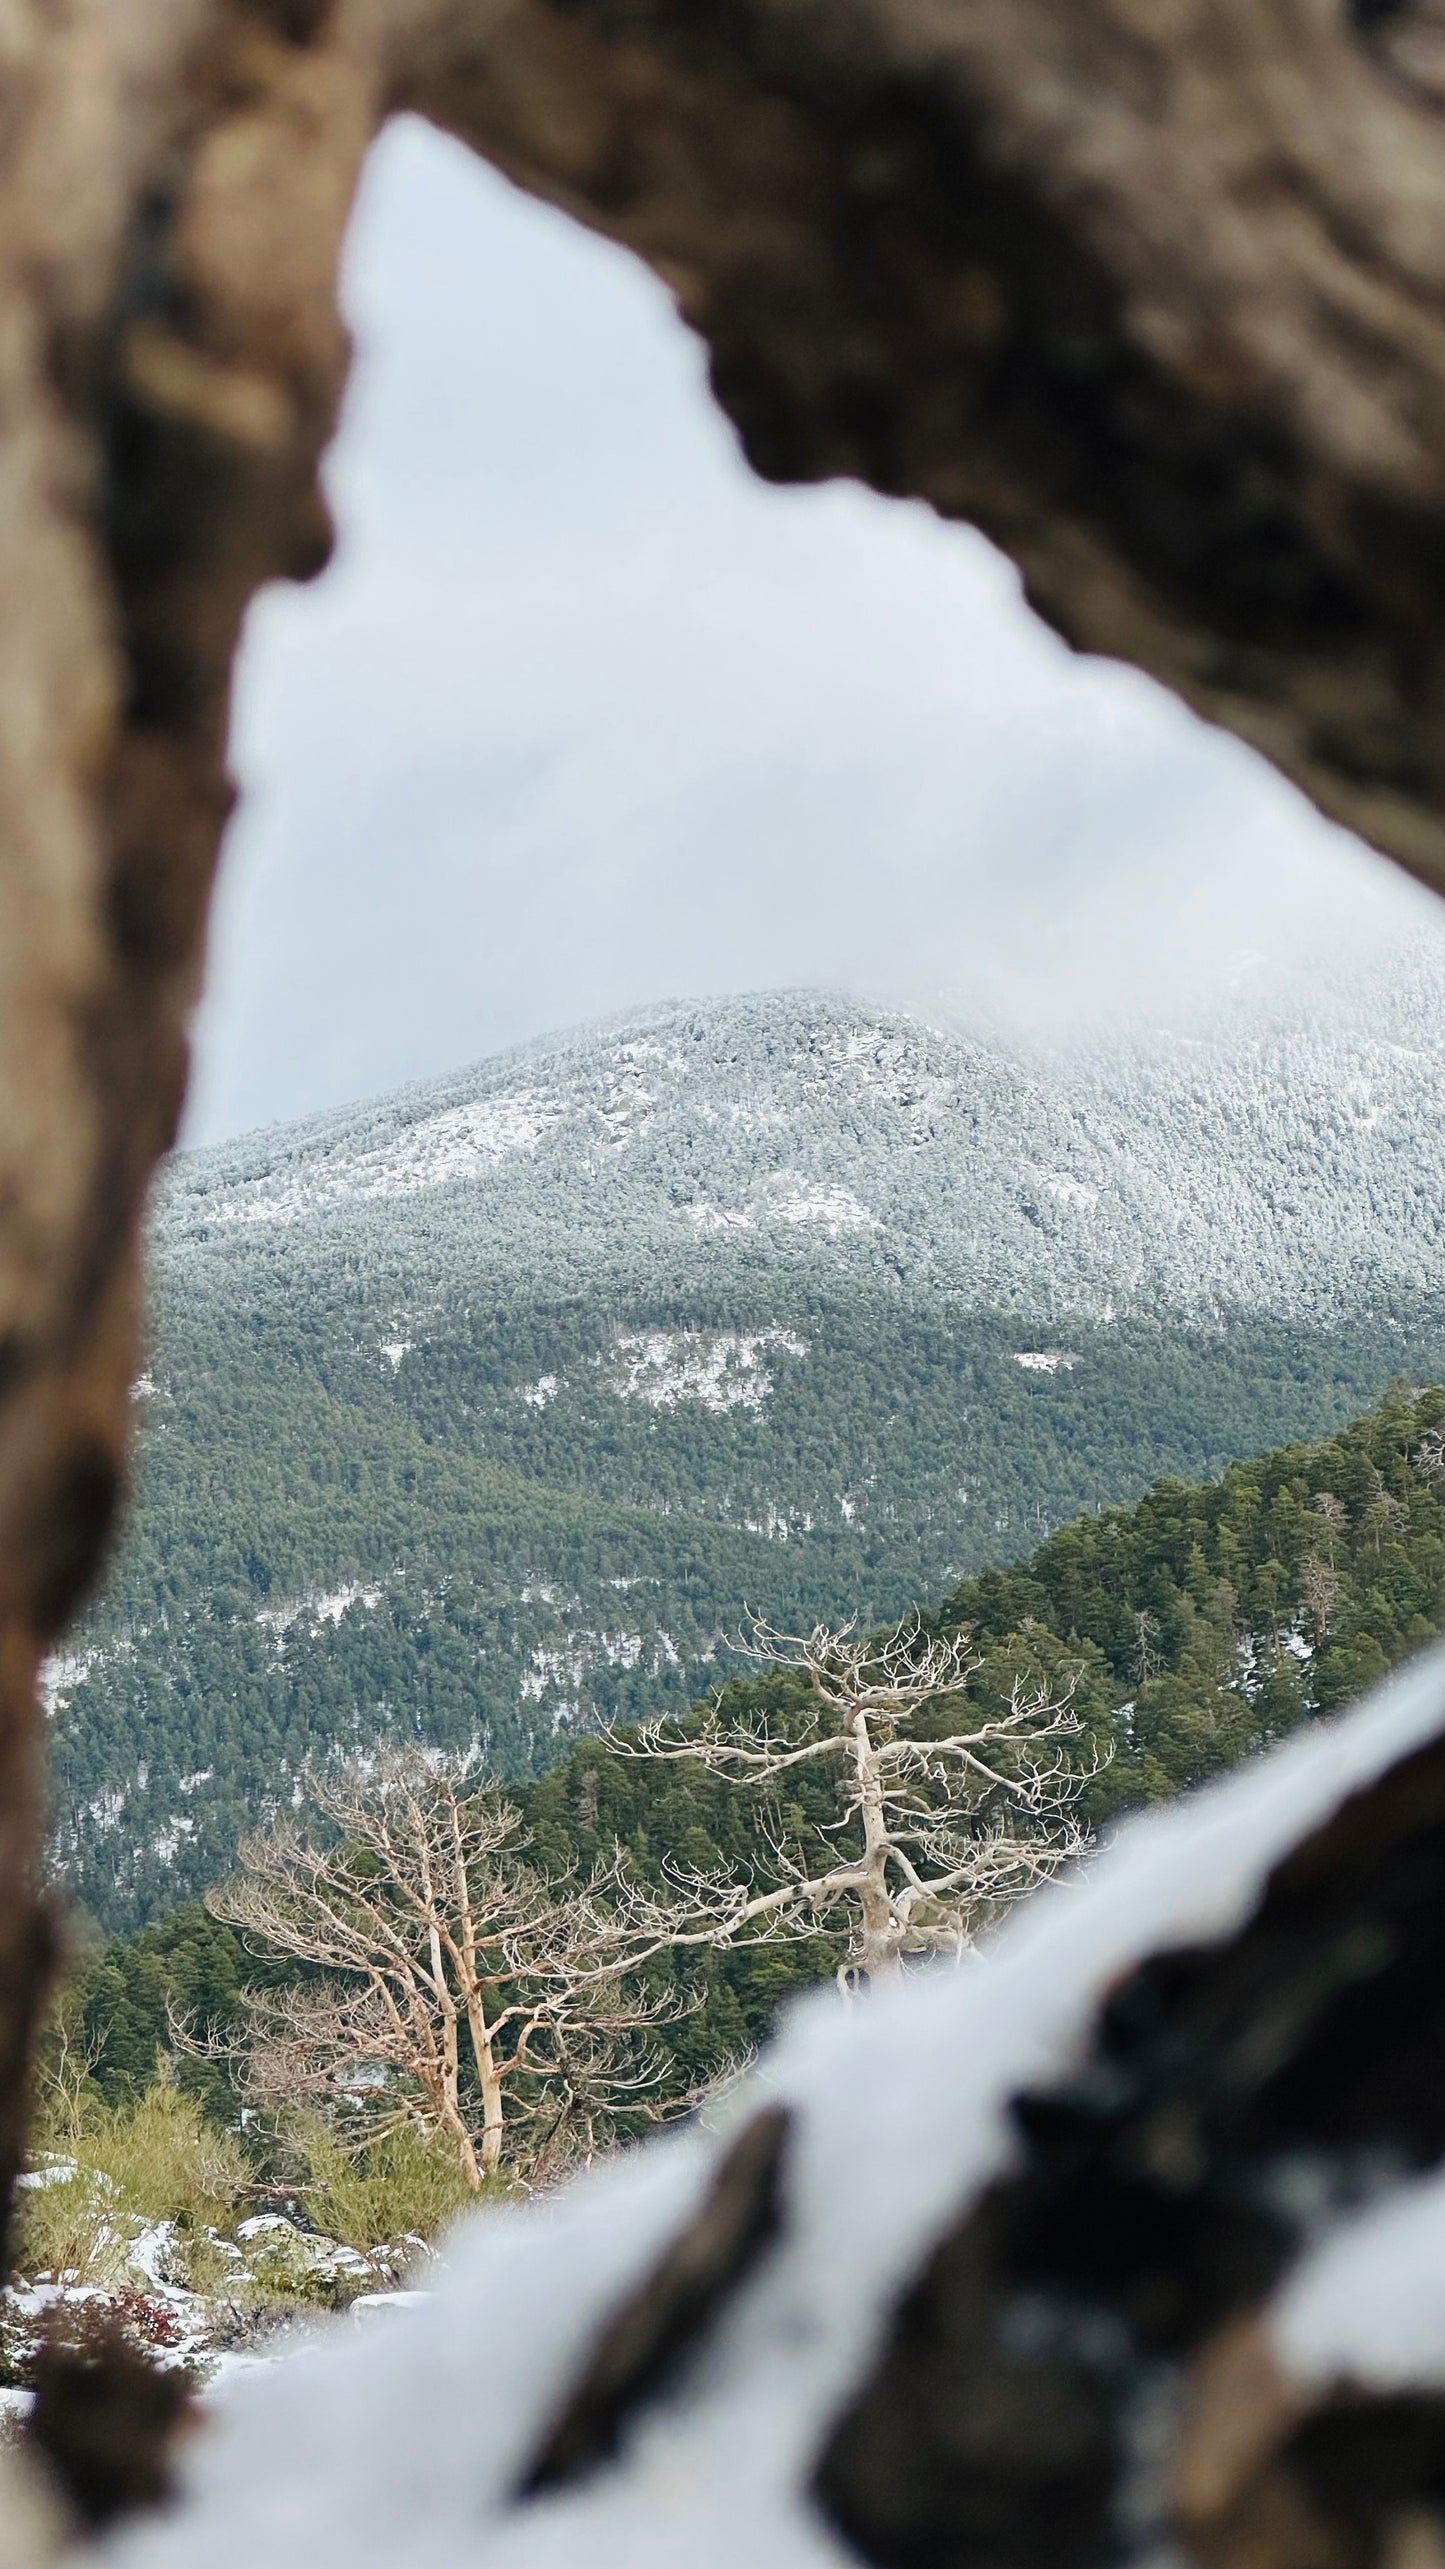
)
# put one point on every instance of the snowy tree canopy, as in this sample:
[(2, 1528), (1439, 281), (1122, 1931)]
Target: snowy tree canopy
[(1262, 1165)]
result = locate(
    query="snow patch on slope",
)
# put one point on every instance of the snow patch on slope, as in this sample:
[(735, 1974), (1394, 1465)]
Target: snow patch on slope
[(721, 1369), (327, 1606), (833, 1208), (441, 1150)]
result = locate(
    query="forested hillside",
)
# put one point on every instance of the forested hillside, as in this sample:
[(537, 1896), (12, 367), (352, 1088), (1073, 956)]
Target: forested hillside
[(1195, 1627), (483, 1413)]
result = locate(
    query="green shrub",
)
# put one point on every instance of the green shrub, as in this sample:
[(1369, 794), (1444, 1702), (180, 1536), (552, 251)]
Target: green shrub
[(405, 2184), (156, 2159), (165, 2162), (67, 2226)]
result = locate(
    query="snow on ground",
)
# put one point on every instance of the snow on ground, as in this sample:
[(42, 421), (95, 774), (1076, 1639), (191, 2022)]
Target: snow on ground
[(1063, 1189), (327, 1606), (889, 1066), (439, 1150), (584, 1654), (717, 1217), (832, 1208), (406, 2442), (276, 2280), (720, 1369), (1046, 1360), (64, 1670)]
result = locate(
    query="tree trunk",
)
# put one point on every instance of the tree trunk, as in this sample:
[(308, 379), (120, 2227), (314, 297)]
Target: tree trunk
[(472, 2167), (492, 2121), (491, 2080), (878, 1952)]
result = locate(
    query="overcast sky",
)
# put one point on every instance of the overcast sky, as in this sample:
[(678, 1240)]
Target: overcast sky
[(582, 716)]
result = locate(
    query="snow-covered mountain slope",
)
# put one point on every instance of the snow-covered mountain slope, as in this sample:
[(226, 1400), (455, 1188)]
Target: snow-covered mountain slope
[(486, 1411), (1268, 1167)]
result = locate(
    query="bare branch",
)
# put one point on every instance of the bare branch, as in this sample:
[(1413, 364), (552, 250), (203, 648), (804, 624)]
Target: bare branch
[(932, 1832), (448, 1980)]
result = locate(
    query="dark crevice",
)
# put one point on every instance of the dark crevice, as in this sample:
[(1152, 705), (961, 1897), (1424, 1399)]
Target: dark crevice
[(647, 2340)]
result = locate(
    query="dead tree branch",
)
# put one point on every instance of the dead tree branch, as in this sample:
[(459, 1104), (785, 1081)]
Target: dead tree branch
[(933, 1831), (446, 1980)]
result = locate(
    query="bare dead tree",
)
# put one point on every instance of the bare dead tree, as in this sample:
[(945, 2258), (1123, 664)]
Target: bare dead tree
[(1385, 1516), (1430, 1457), (448, 1981), (66, 2058), (932, 1834), (1320, 1581), (1146, 1633)]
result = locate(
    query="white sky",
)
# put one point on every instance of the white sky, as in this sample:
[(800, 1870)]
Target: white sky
[(582, 716)]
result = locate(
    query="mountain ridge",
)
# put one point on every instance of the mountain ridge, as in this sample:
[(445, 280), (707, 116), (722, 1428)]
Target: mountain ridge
[(1280, 1171)]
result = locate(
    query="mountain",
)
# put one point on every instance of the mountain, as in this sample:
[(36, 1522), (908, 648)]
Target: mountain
[(485, 1410), (1266, 1168)]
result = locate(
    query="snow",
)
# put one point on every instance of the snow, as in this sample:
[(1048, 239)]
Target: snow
[(539, 1393), (407, 2442), (1275, 1164), (369, 2306), (327, 1606), (552, 1668), (721, 1369), (268, 2259), (50, 2171), (446, 1149), (1046, 1360), (64, 1670), (1063, 1189), (569, 1665), (1368, 2306), (718, 1217), (834, 1208)]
